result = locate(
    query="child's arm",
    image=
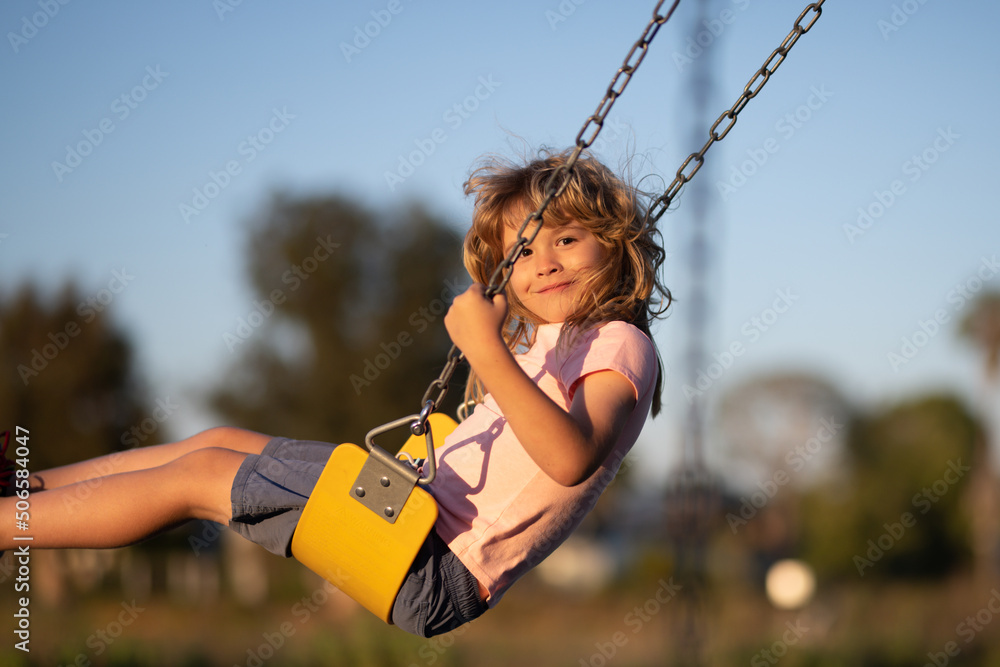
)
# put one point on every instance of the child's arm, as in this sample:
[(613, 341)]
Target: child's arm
[(567, 446)]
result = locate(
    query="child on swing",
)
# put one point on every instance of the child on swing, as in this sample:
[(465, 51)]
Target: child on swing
[(564, 373)]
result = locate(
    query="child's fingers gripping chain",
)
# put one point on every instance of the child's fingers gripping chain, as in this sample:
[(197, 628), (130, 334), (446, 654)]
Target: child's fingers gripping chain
[(474, 318)]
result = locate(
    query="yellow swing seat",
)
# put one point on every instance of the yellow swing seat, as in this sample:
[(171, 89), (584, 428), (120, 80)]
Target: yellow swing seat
[(357, 538)]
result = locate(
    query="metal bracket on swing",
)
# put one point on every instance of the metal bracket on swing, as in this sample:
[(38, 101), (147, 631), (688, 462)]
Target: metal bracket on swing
[(386, 482)]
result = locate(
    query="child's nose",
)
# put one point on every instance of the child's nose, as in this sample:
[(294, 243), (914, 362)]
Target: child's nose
[(546, 264)]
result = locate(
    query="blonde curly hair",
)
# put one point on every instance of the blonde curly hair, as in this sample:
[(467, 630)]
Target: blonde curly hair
[(626, 287)]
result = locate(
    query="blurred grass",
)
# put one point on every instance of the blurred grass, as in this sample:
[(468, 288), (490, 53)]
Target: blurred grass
[(853, 624)]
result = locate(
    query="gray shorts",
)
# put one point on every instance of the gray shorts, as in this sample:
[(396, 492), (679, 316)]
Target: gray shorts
[(269, 491)]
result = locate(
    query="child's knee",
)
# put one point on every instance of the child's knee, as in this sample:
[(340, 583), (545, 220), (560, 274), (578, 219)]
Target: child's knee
[(209, 459), (207, 475), (217, 436), (230, 437)]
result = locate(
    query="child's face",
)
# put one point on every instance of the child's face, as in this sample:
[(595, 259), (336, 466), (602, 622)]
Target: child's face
[(548, 275)]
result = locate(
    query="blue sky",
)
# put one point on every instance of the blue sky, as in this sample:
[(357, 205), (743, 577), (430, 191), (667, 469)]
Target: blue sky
[(883, 107)]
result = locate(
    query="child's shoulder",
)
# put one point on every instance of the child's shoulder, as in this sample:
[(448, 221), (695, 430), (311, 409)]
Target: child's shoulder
[(617, 339), (617, 346), (605, 338), (620, 331)]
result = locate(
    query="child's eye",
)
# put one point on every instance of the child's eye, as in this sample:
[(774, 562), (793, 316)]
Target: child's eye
[(525, 252), (566, 240)]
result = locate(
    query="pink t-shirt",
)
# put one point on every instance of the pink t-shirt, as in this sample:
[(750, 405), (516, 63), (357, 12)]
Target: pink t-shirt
[(499, 513)]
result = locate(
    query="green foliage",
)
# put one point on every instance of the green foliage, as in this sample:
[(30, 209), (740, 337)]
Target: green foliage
[(356, 332), (67, 376), (897, 512), (981, 327)]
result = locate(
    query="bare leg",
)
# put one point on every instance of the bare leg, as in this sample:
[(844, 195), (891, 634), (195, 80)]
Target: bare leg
[(128, 507), (142, 458)]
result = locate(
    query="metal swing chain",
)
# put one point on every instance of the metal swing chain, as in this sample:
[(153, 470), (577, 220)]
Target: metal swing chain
[(554, 187), (750, 91), (559, 179)]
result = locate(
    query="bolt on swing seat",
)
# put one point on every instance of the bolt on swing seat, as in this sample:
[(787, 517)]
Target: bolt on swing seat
[(367, 516)]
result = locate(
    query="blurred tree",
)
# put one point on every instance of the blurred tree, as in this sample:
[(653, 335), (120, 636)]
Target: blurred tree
[(981, 327), (346, 330), (781, 432), (67, 375), (788, 421), (898, 512)]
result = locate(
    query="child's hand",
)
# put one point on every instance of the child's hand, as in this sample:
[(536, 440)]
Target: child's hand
[(474, 322)]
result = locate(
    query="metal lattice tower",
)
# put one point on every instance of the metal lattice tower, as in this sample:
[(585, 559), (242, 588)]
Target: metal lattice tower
[(692, 496)]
